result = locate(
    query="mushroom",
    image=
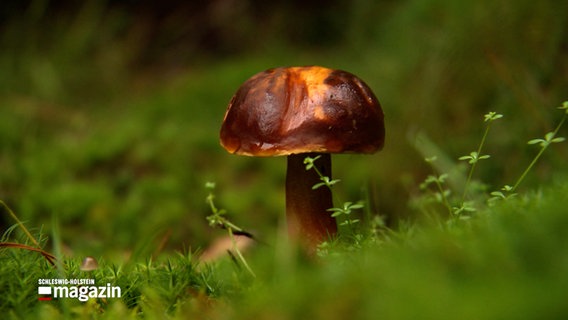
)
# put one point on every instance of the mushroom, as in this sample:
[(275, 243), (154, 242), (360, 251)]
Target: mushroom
[(89, 264), (299, 112)]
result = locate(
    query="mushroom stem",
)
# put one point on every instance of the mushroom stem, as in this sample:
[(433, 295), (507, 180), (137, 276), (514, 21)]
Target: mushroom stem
[(309, 222)]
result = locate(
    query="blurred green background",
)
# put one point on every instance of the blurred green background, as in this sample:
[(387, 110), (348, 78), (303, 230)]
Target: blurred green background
[(110, 110)]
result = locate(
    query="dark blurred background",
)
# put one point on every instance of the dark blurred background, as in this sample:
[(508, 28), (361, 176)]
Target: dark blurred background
[(110, 110), (163, 37)]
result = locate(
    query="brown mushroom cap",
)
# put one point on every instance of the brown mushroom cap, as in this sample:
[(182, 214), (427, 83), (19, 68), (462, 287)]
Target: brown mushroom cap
[(284, 111)]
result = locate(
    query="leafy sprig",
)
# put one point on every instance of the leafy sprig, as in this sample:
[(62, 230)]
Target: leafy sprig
[(325, 180), (465, 207), (544, 143), (218, 219), (474, 156), (346, 209), (441, 194)]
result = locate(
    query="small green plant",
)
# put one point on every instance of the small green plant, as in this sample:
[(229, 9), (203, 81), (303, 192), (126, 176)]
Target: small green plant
[(218, 219), (325, 180), (346, 210), (463, 207), (504, 194), (344, 213), (475, 156), (441, 194), (508, 191)]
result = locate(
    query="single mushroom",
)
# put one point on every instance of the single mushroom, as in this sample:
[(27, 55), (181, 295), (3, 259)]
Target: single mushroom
[(300, 112), (89, 264)]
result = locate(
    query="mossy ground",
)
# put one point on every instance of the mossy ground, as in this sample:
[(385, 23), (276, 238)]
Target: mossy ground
[(104, 157)]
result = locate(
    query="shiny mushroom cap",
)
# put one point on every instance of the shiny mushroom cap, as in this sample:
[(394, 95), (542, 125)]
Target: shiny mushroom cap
[(284, 111)]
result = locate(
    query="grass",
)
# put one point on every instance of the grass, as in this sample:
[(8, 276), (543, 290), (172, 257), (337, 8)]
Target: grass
[(494, 267), (148, 288), (98, 160), (508, 262)]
